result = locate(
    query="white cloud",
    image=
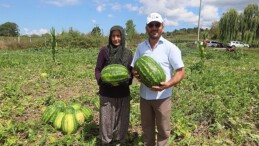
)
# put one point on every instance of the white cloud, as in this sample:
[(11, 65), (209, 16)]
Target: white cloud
[(100, 8), (209, 14), (61, 3), (175, 12), (93, 21), (110, 16), (35, 31), (5, 5), (130, 7), (116, 6), (170, 23), (187, 11)]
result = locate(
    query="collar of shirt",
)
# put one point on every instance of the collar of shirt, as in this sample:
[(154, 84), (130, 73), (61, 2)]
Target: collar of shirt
[(160, 41)]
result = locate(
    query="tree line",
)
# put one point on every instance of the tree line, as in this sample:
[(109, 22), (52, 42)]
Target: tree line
[(243, 26), (231, 26)]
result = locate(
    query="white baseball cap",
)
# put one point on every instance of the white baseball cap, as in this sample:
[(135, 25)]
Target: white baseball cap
[(154, 17)]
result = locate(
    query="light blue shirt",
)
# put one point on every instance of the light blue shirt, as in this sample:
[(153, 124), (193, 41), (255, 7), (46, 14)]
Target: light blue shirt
[(168, 56)]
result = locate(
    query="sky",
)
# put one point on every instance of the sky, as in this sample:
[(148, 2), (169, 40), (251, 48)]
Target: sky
[(39, 16)]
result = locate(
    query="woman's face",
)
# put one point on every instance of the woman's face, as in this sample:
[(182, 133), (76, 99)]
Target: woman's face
[(116, 37)]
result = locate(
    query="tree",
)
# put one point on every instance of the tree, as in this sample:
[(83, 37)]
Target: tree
[(96, 31), (214, 30), (9, 29), (251, 19), (228, 26), (244, 27), (130, 30)]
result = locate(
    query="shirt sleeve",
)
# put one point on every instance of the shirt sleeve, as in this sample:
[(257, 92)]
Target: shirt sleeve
[(101, 60), (136, 56), (176, 58)]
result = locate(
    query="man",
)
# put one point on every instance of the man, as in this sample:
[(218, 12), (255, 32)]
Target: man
[(155, 102)]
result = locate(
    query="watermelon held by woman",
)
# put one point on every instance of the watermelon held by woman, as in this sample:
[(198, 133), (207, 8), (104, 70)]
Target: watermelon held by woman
[(114, 74), (150, 72)]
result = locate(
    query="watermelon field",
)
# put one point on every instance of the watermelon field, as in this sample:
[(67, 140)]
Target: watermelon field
[(215, 105)]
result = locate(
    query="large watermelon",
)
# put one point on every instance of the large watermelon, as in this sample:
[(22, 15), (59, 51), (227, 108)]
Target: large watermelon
[(114, 74), (76, 105), (49, 115), (150, 72), (80, 117), (69, 123), (88, 113), (58, 121)]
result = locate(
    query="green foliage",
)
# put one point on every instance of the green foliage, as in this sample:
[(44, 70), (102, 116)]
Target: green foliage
[(214, 30), (53, 43), (205, 35), (228, 26), (130, 31), (96, 31), (9, 29), (242, 27), (215, 104), (219, 93), (202, 49)]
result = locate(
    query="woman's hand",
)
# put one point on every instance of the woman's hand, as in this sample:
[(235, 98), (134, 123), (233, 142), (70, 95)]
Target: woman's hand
[(136, 75)]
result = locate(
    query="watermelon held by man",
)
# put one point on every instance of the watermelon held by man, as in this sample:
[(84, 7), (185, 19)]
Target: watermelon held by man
[(150, 72)]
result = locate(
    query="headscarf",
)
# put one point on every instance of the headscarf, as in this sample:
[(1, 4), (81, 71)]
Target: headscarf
[(118, 54)]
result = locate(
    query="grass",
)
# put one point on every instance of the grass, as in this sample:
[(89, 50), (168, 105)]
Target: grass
[(216, 103)]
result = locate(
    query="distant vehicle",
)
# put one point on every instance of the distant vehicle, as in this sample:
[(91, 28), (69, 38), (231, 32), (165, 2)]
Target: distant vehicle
[(212, 43), (246, 45), (237, 44)]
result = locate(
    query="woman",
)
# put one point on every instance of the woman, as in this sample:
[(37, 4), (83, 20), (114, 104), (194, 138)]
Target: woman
[(114, 100)]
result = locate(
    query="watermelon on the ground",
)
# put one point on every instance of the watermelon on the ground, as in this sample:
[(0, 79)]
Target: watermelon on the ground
[(80, 117), (49, 115), (69, 123), (88, 113), (58, 121), (75, 105)]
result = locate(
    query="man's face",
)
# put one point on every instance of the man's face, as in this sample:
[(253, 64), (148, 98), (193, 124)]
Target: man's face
[(154, 29)]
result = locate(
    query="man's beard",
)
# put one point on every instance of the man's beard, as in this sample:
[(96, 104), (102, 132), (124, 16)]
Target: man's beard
[(154, 34)]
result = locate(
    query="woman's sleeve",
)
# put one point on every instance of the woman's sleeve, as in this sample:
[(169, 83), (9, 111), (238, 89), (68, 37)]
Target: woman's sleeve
[(130, 68), (100, 65)]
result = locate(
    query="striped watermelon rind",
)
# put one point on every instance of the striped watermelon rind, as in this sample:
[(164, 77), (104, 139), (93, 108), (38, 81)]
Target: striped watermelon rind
[(150, 72), (67, 118), (88, 113), (58, 121), (49, 115), (114, 74), (80, 117), (76, 105), (69, 123)]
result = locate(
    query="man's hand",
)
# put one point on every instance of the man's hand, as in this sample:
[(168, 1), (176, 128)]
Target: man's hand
[(163, 85), (172, 82)]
